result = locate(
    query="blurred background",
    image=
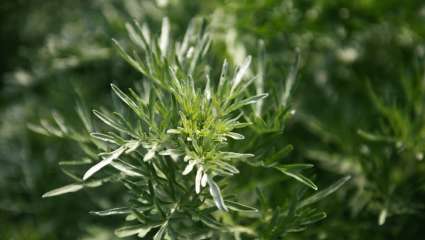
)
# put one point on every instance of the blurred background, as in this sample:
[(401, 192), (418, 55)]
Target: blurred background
[(360, 101)]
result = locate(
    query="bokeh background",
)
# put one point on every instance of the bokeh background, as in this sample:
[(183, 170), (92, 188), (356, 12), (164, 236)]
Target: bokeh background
[(360, 101)]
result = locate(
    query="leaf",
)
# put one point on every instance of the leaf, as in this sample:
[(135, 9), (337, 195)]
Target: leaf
[(161, 232), (115, 154), (313, 218), (189, 167), (109, 121), (223, 73), (374, 137), (324, 193), (216, 194), (382, 217), (60, 122), (138, 66), (241, 73), (291, 170), (239, 207), (210, 222), (73, 163), (235, 136), (84, 116), (132, 230), (165, 36), (125, 169), (131, 146), (125, 98), (104, 137), (235, 155), (113, 211), (295, 166), (282, 153), (135, 37), (149, 155), (245, 101), (62, 190), (198, 179), (38, 129), (290, 80)]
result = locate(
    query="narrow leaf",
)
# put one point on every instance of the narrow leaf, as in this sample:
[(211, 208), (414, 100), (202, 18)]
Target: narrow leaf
[(113, 211), (291, 171), (216, 194), (63, 190), (241, 73), (325, 192), (132, 230), (115, 154), (239, 207)]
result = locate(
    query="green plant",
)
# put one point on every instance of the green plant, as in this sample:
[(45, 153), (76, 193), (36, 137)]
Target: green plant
[(174, 146)]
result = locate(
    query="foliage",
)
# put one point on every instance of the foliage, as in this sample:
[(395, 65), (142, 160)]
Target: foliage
[(351, 105)]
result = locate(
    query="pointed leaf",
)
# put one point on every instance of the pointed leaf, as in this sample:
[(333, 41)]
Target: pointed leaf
[(114, 155), (62, 190), (216, 194), (325, 192)]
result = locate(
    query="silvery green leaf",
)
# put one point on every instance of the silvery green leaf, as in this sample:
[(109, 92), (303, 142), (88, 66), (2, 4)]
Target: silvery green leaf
[(211, 222), (62, 190), (189, 167), (382, 217), (113, 211), (143, 232), (132, 230), (294, 166), (129, 59), (60, 122), (165, 36), (226, 167), (234, 135), (161, 232), (132, 145), (198, 179), (134, 36), (223, 73), (207, 91), (173, 131), (204, 180), (109, 121), (239, 207), (73, 163), (324, 193), (103, 137), (84, 116), (290, 80), (50, 129), (170, 152), (38, 129), (125, 169), (149, 155), (186, 158), (241, 72), (246, 101), (279, 155), (126, 99), (235, 155), (216, 194), (291, 170), (114, 155)]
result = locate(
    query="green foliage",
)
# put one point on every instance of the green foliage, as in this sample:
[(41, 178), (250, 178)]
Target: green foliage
[(172, 142), (213, 129)]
